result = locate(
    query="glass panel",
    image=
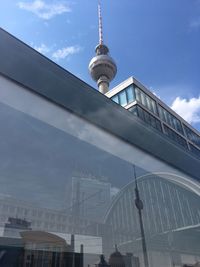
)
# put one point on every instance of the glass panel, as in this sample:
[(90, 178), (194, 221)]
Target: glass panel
[(115, 99), (138, 94), (176, 137), (134, 110), (192, 136), (145, 100), (141, 113), (161, 113), (149, 106), (153, 103), (195, 150), (170, 119), (130, 94), (122, 98), (149, 119)]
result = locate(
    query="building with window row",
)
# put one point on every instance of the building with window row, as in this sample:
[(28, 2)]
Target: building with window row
[(136, 98)]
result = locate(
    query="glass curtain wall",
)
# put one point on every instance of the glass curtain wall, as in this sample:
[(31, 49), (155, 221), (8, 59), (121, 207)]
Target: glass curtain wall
[(67, 193)]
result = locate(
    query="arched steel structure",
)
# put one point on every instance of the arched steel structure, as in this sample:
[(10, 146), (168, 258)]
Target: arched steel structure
[(170, 202)]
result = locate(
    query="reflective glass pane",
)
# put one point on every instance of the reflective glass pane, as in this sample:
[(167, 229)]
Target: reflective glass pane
[(122, 98), (143, 99), (115, 99), (130, 94), (68, 188), (138, 94)]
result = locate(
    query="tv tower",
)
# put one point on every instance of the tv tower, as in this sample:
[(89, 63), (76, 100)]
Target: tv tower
[(102, 67)]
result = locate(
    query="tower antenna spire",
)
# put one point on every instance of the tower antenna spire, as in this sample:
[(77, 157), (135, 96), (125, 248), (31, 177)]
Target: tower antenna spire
[(100, 24)]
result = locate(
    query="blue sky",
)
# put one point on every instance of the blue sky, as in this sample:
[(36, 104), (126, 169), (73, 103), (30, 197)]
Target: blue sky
[(158, 42)]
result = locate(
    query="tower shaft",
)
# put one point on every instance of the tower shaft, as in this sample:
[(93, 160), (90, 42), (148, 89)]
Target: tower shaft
[(103, 84)]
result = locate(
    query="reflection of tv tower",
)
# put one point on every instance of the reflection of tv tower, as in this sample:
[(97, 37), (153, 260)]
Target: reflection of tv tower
[(139, 206)]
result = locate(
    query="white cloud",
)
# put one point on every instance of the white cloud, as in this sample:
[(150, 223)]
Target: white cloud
[(44, 10), (65, 52), (189, 109), (43, 49)]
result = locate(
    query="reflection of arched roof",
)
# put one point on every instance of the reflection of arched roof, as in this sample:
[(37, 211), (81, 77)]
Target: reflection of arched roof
[(171, 202), (189, 184), (43, 237)]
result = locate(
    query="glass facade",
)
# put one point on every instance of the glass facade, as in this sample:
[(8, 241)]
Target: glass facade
[(146, 117), (145, 100), (133, 93), (75, 191), (195, 150), (175, 137), (125, 97), (170, 119), (192, 136), (76, 185)]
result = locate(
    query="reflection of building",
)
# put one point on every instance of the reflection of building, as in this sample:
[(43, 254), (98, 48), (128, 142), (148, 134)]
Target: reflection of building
[(43, 219), (116, 259), (40, 218), (102, 262), (37, 248), (14, 226), (90, 198)]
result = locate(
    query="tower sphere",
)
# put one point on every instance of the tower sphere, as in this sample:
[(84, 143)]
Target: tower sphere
[(102, 65)]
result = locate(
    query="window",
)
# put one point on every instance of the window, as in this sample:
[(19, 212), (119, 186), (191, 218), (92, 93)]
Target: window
[(170, 119), (115, 99), (138, 95), (134, 110), (147, 117), (122, 98), (195, 150), (145, 100), (192, 136), (130, 94), (176, 137)]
